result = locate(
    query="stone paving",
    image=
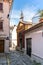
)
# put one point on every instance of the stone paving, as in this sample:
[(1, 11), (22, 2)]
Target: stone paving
[(3, 60), (15, 58)]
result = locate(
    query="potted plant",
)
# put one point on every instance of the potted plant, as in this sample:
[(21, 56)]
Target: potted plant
[(40, 12)]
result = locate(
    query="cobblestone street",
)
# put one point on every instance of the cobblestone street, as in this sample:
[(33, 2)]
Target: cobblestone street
[(15, 58), (18, 58)]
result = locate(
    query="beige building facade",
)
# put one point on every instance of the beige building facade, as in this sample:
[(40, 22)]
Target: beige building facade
[(5, 6)]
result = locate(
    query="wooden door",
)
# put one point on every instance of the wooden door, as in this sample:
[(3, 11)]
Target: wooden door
[(1, 46)]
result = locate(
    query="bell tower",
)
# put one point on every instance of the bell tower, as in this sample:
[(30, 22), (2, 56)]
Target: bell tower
[(21, 16)]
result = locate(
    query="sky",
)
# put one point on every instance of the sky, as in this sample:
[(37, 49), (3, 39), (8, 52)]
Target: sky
[(29, 8)]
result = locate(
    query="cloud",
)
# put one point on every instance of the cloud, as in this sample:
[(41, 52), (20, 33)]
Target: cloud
[(14, 17), (14, 22), (15, 14), (28, 12)]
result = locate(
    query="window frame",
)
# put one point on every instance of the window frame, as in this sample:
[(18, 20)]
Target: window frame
[(1, 7), (1, 23)]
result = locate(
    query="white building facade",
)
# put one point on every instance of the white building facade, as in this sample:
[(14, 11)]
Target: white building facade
[(4, 25), (34, 42), (13, 37)]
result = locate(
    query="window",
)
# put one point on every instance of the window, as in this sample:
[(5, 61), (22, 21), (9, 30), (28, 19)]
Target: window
[(1, 6), (1, 26), (20, 35)]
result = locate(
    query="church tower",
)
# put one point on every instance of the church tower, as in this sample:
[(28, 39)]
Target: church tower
[(21, 17)]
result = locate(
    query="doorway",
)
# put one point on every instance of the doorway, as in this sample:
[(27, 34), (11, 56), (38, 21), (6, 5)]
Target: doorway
[(1, 46), (28, 43), (21, 44), (20, 40)]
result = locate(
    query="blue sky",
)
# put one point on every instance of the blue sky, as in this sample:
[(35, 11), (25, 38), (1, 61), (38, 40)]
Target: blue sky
[(29, 8)]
